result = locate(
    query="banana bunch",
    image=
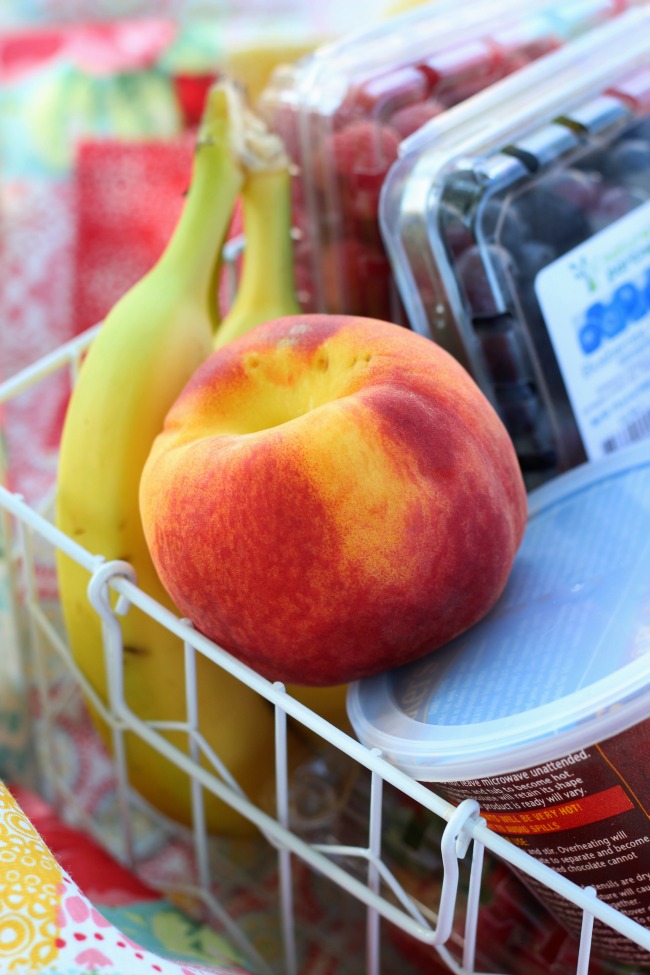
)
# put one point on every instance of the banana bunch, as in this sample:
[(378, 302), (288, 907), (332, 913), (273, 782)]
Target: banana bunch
[(149, 345)]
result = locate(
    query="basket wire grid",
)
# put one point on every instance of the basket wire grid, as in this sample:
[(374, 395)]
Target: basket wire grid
[(359, 869)]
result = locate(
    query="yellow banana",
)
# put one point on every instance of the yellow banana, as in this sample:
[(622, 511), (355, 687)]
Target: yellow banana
[(266, 288), (148, 347)]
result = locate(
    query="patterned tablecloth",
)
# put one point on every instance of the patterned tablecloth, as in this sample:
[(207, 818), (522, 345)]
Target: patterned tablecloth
[(49, 927)]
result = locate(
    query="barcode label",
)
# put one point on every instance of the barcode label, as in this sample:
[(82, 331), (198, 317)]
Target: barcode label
[(634, 431)]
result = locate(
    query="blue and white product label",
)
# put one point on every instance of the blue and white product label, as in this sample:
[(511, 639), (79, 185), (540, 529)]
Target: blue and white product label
[(596, 304)]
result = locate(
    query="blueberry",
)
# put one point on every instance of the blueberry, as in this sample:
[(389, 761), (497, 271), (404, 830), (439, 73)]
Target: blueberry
[(578, 187), (454, 231), (554, 210), (629, 163), (639, 130), (505, 356), (533, 256), (484, 275), (527, 422), (613, 203), (502, 224), (592, 163)]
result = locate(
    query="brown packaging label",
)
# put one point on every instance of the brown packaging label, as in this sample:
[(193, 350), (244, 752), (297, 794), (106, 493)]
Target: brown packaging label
[(586, 815)]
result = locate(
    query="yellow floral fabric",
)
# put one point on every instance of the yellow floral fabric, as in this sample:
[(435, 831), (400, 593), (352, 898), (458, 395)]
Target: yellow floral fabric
[(49, 927), (31, 884)]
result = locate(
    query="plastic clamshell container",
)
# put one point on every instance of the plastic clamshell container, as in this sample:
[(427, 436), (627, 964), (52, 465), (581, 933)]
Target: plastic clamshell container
[(542, 710), (344, 110), (517, 227)]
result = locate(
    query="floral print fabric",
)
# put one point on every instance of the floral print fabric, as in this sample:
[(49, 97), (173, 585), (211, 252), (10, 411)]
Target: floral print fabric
[(48, 926)]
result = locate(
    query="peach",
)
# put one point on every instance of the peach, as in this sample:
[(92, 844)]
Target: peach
[(330, 497)]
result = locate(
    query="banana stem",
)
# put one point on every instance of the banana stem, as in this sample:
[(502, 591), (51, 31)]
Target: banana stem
[(267, 285)]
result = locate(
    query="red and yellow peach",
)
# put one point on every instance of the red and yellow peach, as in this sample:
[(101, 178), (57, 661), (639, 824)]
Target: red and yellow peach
[(331, 497)]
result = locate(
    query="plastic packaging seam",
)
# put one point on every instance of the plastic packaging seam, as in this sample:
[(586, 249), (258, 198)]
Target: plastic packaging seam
[(426, 22), (403, 39), (544, 88)]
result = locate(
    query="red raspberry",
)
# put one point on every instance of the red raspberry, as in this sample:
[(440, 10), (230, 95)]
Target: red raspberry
[(357, 279), (362, 148), (409, 119), (353, 164), (376, 98)]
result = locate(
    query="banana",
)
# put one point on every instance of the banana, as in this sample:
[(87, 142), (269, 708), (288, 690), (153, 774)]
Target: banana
[(266, 288), (149, 345)]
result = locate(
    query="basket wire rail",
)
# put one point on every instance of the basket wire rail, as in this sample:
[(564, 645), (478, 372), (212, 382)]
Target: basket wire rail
[(359, 870)]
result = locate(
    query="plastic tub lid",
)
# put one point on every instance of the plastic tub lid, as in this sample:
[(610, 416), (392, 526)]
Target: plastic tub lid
[(560, 663)]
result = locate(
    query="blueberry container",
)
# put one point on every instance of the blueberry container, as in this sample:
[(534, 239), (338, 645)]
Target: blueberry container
[(518, 228), (344, 110)]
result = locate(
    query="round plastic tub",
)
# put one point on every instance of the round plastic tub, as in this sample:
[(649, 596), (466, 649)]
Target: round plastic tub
[(541, 711)]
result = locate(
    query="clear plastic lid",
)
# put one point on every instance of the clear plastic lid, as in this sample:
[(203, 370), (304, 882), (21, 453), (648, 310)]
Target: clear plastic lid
[(560, 663), (516, 225), (344, 110)]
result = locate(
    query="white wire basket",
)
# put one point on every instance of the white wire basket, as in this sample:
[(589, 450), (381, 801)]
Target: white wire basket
[(334, 821)]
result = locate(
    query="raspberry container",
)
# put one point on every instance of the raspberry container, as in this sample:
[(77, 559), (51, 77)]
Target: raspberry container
[(344, 110), (518, 227), (540, 711)]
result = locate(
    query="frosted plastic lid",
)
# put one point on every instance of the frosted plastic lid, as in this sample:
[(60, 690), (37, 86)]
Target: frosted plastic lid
[(563, 659)]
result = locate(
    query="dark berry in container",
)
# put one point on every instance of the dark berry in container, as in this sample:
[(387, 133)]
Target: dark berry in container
[(629, 163), (485, 275), (505, 356)]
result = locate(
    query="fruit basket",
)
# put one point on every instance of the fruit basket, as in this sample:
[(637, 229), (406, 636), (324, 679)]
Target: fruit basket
[(332, 838), (344, 111), (503, 239)]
